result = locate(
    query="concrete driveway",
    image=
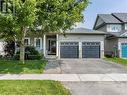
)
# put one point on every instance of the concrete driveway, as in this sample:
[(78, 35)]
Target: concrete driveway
[(97, 88), (83, 66)]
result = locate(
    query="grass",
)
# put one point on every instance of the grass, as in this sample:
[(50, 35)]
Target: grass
[(118, 60), (16, 67), (32, 87)]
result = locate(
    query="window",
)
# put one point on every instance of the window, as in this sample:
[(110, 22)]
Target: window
[(38, 43), (114, 28), (4, 7), (125, 26), (27, 41)]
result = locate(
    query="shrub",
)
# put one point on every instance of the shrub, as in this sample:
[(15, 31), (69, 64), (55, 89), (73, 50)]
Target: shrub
[(9, 48), (17, 56), (37, 57), (108, 56), (30, 54)]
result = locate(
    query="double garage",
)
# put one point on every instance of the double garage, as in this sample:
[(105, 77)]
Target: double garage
[(71, 49), (81, 46)]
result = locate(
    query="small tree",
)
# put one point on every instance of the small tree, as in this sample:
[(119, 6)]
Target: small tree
[(15, 23)]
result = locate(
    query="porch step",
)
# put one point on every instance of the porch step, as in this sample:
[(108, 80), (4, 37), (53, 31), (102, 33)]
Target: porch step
[(51, 57)]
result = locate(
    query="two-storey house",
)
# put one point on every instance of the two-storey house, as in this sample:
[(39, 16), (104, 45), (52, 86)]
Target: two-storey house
[(115, 26)]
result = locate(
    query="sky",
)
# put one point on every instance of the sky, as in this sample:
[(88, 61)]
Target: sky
[(101, 7)]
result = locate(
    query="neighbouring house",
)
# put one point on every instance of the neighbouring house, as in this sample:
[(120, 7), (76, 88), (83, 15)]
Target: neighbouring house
[(76, 43), (115, 27)]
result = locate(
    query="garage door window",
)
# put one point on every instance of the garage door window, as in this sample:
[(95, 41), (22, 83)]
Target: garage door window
[(69, 44), (91, 43)]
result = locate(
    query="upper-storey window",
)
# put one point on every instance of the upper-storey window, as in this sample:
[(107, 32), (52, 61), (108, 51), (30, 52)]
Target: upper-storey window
[(114, 28), (125, 26)]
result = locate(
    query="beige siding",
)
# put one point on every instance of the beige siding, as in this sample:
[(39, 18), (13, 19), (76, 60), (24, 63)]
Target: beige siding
[(109, 44)]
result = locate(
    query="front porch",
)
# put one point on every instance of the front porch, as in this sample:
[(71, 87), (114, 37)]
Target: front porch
[(50, 46)]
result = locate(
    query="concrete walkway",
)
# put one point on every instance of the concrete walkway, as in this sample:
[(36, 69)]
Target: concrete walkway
[(67, 77)]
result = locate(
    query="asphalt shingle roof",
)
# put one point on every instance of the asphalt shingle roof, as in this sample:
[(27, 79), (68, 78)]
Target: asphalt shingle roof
[(118, 34), (121, 16), (109, 18), (79, 31), (84, 31)]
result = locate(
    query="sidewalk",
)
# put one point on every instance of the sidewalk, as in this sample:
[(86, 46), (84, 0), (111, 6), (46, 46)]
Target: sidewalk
[(66, 77)]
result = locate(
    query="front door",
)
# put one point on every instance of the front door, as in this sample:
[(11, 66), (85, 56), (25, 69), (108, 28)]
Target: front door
[(124, 50), (51, 47)]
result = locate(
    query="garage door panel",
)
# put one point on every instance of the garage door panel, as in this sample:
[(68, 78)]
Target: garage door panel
[(69, 50), (91, 50)]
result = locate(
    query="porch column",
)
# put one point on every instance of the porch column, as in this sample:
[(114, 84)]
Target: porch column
[(44, 45), (80, 50), (57, 46), (102, 49)]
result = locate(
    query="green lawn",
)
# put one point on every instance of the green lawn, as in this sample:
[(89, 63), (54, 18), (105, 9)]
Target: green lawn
[(118, 60), (32, 87), (16, 67)]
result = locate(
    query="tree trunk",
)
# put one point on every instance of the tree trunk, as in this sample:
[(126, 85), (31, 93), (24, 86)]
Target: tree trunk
[(22, 53), (22, 47)]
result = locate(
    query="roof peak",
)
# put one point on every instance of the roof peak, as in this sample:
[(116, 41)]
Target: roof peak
[(112, 18)]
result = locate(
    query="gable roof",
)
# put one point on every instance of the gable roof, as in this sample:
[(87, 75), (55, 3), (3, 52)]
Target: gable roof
[(114, 18)]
